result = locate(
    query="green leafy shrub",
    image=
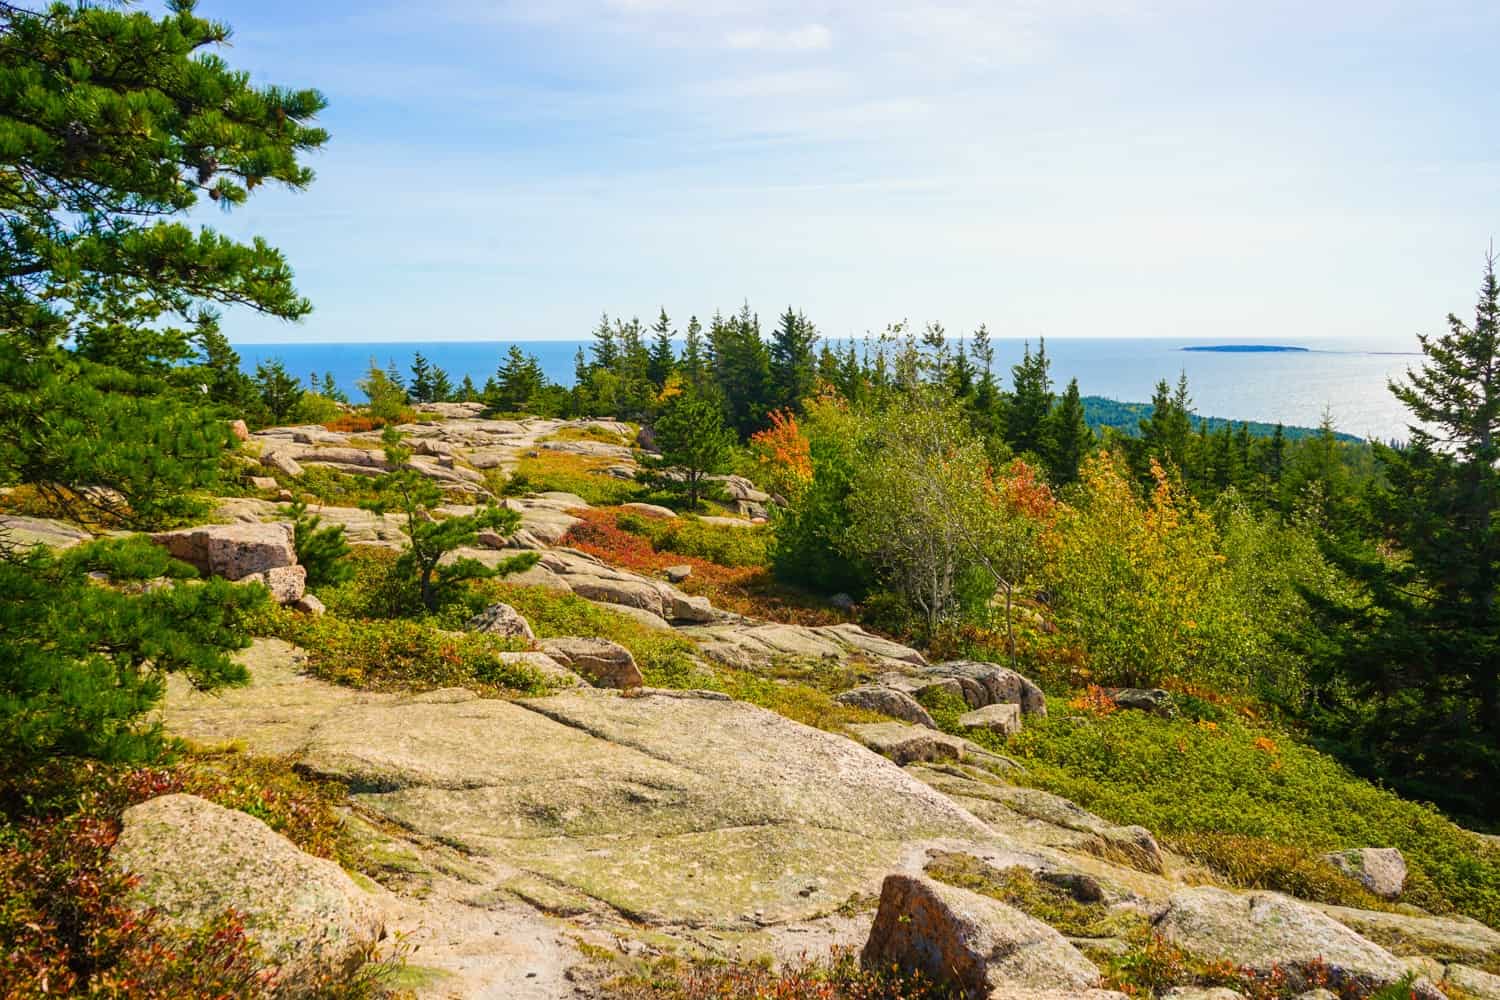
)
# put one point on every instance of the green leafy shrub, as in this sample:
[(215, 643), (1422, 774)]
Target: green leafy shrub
[(1186, 778), (839, 978), (689, 536), (559, 472), (1260, 863), (375, 587), (403, 655)]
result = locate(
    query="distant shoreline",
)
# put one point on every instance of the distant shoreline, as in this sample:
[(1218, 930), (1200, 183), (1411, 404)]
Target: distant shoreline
[(1249, 349)]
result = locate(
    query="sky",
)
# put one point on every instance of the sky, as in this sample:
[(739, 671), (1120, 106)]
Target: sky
[(1057, 168)]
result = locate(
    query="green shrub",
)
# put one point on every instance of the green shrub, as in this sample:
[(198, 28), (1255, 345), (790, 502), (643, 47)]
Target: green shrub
[(1180, 777), (320, 550), (403, 655), (559, 472), (1052, 904), (689, 536), (1260, 863)]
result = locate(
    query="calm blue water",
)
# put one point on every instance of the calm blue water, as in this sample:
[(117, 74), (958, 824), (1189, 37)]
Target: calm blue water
[(1291, 387)]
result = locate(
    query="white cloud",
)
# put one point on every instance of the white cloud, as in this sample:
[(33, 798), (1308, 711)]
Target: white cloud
[(807, 38)]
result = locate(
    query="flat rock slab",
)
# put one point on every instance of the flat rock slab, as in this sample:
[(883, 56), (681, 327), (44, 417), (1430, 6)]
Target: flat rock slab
[(681, 811), (750, 645), (27, 531)]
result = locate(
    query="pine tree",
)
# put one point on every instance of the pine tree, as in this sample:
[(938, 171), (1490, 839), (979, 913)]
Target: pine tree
[(420, 387), (694, 364), (1069, 435), (1030, 402), (741, 369), (442, 386), (606, 351), (661, 360), (1420, 658), (791, 362), (467, 393), (1166, 435), (330, 389), (394, 377), (113, 125), (518, 381), (407, 492), (280, 392), (694, 444)]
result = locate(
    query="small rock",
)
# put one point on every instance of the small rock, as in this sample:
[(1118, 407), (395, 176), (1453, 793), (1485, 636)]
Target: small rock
[(287, 584), (1382, 870), (195, 859), (502, 620), (1154, 701), (263, 483), (309, 604), (1211, 993), (605, 663), (285, 496), (970, 941), (1002, 720), (239, 429), (553, 674), (1318, 994), (649, 509), (677, 574), (888, 701), (281, 462), (906, 744)]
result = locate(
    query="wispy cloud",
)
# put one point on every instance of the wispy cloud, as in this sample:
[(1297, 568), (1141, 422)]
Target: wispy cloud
[(807, 38)]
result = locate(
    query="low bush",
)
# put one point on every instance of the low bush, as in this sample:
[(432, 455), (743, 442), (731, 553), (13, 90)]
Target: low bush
[(560, 472), (1260, 863), (839, 978), (1228, 775), (403, 654), (589, 432), (689, 536), (1051, 904), (68, 923)]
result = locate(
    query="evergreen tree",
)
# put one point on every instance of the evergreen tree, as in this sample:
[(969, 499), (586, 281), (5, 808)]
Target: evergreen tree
[(792, 366), (467, 393), (1420, 658), (606, 351), (1167, 434), (280, 392), (661, 361), (987, 411), (420, 387), (216, 370), (394, 377), (442, 386), (1031, 401), (409, 493), (518, 381), (741, 370), (1069, 436), (694, 364), (330, 389), (113, 124), (694, 444)]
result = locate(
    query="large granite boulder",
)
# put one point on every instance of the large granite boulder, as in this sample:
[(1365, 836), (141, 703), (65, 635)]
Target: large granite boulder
[(195, 860), (233, 551), (1264, 931), (606, 663), (975, 943), (990, 684)]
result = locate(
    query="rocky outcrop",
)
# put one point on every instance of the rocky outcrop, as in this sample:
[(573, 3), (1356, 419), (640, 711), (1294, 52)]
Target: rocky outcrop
[(1263, 931), (908, 744), (972, 942), (502, 620), (28, 531), (887, 701), (607, 664), (1382, 870), (749, 645), (244, 553), (990, 684), (195, 860)]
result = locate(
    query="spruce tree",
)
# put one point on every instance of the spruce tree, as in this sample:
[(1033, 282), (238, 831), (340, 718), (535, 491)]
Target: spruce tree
[(694, 365), (467, 393), (1069, 436), (791, 361), (694, 444), (420, 387), (606, 351), (442, 386), (661, 360), (741, 370), (1030, 402), (280, 392), (1410, 675), (113, 125)]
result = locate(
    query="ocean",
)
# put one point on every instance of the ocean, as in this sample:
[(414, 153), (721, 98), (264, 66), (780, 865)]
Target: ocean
[(1292, 387)]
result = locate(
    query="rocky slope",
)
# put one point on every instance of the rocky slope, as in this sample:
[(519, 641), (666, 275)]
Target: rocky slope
[(516, 843)]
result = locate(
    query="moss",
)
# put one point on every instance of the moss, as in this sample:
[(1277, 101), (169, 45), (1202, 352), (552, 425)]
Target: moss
[(1051, 904)]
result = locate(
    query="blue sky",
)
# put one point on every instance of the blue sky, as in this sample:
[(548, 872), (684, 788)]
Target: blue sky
[(1051, 167)]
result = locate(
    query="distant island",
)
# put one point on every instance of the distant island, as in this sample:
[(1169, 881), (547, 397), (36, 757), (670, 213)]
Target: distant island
[(1247, 348)]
